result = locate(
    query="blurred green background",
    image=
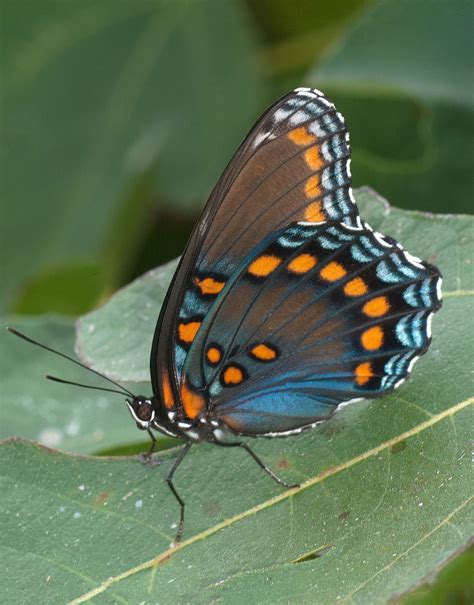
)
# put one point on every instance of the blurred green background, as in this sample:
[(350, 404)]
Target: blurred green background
[(118, 116)]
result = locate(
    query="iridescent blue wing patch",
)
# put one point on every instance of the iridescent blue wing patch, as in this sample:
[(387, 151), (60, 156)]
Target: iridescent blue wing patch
[(294, 165), (317, 315)]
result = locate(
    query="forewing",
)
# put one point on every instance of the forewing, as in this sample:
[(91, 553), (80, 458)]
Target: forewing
[(293, 165), (318, 316)]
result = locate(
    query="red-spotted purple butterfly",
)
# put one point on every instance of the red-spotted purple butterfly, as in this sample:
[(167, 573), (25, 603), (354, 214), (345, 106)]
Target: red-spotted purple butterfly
[(285, 304)]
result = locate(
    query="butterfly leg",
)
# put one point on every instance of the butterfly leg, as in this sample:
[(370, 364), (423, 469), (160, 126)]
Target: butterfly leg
[(146, 457), (169, 481), (260, 463), (152, 446)]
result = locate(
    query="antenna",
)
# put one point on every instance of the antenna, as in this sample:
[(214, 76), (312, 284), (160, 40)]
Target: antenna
[(85, 386), (123, 390)]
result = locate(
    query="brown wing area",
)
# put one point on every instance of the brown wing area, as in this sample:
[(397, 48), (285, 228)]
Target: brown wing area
[(293, 165)]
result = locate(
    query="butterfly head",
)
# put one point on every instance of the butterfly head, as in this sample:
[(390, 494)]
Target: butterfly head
[(142, 411)]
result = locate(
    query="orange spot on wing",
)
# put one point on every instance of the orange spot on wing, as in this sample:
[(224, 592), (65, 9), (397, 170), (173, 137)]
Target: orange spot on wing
[(302, 263), (313, 158), (356, 287), (301, 136), (376, 307), (312, 186), (193, 403), (264, 265), (213, 355), (363, 373), (264, 352), (168, 398), (333, 271), (187, 332), (372, 339), (209, 285), (314, 213), (233, 375)]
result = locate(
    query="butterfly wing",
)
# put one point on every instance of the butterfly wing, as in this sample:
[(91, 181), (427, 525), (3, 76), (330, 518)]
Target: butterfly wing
[(316, 316), (293, 165)]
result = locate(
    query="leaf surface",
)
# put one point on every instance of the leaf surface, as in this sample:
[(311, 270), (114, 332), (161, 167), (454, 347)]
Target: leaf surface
[(117, 337), (379, 509), (386, 497), (73, 419)]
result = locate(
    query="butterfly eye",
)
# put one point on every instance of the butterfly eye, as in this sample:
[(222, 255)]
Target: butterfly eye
[(144, 411)]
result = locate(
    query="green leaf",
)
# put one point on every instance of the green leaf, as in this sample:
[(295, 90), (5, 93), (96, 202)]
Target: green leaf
[(453, 584), (99, 95), (384, 502), (130, 316), (57, 415), (116, 339), (407, 99), (295, 38), (71, 290), (385, 499)]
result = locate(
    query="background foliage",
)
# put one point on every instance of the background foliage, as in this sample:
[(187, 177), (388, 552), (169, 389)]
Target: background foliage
[(119, 115)]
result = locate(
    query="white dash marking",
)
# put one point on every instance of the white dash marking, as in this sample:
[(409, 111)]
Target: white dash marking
[(348, 168), (351, 196), (412, 363), (439, 294), (428, 324), (381, 240), (414, 260)]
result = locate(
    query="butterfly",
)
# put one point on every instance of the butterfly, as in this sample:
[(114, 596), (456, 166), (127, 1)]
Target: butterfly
[(285, 304)]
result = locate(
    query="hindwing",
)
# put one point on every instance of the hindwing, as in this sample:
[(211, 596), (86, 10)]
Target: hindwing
[(317, 315)]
